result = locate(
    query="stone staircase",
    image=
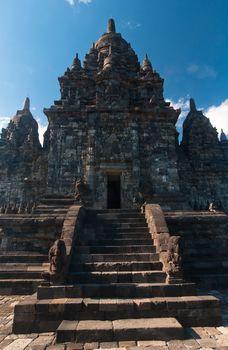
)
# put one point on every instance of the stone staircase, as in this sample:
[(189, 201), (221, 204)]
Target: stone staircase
[(116, 289), (25, 241)]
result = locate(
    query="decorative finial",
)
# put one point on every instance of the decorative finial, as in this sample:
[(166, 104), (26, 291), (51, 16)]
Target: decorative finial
[(146, 66), (92, 48), (76, 63), (26, 105), (192, 105), (222, 136), (111, 26)]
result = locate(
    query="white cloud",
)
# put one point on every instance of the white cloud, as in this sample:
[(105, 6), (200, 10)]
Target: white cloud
[(3, 121), (71, 2), (85, 1), (201, 72), (218, 116), (183, 104), (193, 68), (132, 25), (74, 2), (41, 130)]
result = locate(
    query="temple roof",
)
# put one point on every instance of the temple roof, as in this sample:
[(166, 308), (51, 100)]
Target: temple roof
[(120, 47), (24, 116)]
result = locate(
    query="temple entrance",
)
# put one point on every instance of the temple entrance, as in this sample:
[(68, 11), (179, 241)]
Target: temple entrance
[(113, 191)]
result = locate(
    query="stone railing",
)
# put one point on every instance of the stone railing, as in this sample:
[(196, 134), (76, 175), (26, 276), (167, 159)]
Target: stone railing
[(167, 246), (61, 251)]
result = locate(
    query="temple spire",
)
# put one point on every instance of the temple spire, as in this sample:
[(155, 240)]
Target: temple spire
[(26, 105), (76, 63), (111, 26), (146, 66), (192, 105), (222, 136)]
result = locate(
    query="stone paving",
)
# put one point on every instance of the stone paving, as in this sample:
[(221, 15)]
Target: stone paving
[(197, 338)]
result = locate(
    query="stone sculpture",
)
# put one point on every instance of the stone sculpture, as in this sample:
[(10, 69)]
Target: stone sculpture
[(82, 191), (57, 257), (174, 257)]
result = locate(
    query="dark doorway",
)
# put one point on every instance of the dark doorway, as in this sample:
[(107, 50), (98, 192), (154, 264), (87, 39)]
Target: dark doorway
[(113, 191)]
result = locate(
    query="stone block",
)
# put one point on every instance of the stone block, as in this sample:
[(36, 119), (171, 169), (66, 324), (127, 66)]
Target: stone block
[(92, 331), (147, 329), (91, 304), (66, 332), (73, 305), (108, 305)]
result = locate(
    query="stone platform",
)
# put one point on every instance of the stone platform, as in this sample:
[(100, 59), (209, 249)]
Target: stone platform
[(196, 338)]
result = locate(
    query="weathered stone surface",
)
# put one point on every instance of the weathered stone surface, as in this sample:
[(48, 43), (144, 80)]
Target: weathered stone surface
[(94, 331), (20, 153), (200, 233), (6, 312), (203, 163), (140, 329), (18, 344)]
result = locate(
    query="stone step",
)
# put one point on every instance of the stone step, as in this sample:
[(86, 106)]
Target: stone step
[(113, 242), (57, 201), (207, 267), (51, 215), (189, 310), (121, 215), (204, 253), (116, 290), (133, 229), (115, 249), (210, 281), (18, 286), (125, 220), (20, 275), (120, 211), (24, 266), (115, 257), (124, 225), (52, 206), (119, 330), (117, 277), (23, 258), (133, 235), (117, 266), (46, 211)]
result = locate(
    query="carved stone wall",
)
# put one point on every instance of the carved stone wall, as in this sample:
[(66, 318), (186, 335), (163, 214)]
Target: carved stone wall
[(112, 119), (20, 160), (203, 163)]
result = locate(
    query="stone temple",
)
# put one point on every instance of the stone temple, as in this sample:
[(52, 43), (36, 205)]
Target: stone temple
[(112, 222), (113, 134)]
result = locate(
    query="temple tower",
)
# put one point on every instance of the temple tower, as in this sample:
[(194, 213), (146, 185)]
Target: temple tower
[(112, 128)]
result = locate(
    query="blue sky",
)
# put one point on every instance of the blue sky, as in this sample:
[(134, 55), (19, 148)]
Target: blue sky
[(186, 40)]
